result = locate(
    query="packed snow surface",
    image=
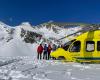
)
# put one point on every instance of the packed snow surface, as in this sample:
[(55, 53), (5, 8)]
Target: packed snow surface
[(28, 68)]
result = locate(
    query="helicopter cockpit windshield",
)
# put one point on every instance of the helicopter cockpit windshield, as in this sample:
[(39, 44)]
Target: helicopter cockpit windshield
[(66, 45)]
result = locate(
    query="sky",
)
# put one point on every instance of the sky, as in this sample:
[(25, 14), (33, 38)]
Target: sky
[(14, 12)]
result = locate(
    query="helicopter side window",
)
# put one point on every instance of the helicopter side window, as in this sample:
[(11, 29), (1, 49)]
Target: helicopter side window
[(90, 46), (66, 45), (76, 47), (98, 45)]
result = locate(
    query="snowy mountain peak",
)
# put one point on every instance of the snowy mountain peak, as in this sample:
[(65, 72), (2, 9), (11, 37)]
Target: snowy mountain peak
[(26, 26)]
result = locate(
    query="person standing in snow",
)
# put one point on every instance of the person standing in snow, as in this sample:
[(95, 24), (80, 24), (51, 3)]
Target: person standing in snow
[(49, 51), (45, 54), (39, 51)]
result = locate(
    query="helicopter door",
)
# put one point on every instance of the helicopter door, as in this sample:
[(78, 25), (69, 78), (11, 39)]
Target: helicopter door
[(75, 49)]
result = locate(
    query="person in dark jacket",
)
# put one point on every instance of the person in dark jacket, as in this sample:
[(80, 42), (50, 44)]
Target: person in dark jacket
[(39, 51), (49, 51), (45, 54)]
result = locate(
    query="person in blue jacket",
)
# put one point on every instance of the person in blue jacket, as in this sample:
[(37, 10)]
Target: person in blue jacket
[(45, 54)]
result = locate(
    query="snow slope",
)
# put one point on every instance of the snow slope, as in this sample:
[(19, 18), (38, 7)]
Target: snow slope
[(16, 46)]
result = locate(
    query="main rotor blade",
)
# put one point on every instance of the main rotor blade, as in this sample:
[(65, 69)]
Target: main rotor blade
[(83, 30)]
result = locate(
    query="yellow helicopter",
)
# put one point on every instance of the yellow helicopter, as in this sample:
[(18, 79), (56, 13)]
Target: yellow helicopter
[(84, 48)]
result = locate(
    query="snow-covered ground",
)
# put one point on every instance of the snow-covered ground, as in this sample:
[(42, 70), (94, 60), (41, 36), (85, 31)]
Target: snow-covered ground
[(28, 68)]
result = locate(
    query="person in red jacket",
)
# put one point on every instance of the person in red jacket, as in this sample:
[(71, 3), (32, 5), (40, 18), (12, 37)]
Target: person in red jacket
[(49, 51), (39, 51)]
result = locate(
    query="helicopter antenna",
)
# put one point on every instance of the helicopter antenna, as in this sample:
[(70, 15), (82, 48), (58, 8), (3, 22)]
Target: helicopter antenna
[(83, 30)]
